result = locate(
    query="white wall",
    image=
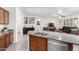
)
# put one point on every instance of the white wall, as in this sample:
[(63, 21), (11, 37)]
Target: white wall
[(44, 22), (19, 23)]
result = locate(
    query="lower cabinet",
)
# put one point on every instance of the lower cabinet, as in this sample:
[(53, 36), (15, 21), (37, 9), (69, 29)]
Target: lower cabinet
[(2, 42), (33, 46), (37, 43), (70, 47), (11, 37), (6, 40)]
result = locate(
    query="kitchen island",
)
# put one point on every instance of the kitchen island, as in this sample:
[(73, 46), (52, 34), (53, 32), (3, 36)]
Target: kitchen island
[(36, 38)]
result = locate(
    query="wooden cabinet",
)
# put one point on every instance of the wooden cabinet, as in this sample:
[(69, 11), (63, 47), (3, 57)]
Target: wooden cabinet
[(2, 42), (7, 39), (37, 43), (11, 37), (4, 16), (33, 43), (42, 44), (70, 47)]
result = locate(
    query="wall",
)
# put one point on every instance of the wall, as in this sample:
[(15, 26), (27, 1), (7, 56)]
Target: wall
[(19, 23)]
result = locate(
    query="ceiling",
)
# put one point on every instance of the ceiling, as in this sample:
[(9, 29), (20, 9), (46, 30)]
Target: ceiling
[(49, 11)]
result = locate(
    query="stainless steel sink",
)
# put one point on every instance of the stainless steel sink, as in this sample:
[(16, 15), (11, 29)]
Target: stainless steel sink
[(42, 34)]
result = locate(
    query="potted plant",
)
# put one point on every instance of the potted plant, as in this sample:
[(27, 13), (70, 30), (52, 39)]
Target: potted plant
[(4, 29)]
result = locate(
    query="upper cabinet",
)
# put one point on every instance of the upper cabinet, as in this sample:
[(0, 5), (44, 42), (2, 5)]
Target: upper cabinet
[(4, 16)]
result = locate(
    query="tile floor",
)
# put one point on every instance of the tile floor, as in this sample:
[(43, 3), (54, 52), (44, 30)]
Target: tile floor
[(21, 45)]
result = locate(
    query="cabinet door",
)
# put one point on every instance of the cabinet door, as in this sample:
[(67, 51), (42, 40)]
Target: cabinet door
[(2, 16), (6, 17), (42, 44), (33, 43), (11, 37), (7, 39), (2, 42), (34, 46), (38, 43)]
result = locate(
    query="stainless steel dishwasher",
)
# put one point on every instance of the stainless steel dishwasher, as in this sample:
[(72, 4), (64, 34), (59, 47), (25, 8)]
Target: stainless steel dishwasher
[(54, 45)]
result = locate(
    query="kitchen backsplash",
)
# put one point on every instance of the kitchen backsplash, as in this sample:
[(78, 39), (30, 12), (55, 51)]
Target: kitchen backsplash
[(1, 27)]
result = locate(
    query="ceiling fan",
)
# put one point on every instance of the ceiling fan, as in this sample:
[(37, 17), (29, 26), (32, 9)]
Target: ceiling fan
[(59, 14)]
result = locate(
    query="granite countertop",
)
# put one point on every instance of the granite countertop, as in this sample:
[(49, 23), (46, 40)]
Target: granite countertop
[(65, 37)]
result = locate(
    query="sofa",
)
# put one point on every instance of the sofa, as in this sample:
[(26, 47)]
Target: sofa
[(26, 29), (72, 30)]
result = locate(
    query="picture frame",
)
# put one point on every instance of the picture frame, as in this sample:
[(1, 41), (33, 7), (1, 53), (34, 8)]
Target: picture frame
[(25, 20), (31, 20)]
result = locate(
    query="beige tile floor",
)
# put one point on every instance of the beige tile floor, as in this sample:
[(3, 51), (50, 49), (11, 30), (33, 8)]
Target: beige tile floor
[(21, 45)]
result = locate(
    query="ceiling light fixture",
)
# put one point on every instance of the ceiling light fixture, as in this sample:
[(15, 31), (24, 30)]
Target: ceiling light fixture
[(38, 19), (60, 11)]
